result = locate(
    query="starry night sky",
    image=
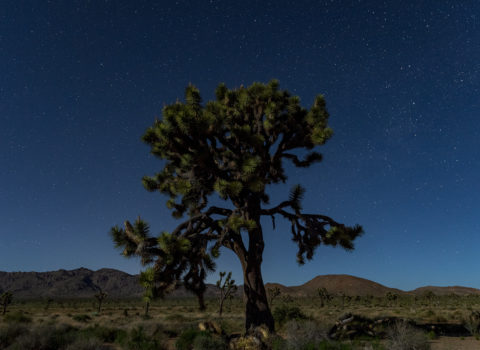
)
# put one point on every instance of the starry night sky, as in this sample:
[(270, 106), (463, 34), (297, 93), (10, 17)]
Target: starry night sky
[(80, 81)]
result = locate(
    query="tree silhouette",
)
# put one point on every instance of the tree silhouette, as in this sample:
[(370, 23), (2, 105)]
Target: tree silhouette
[(100, 296), (273, 293), (324, 296), (6, 299), (234, 146), (226, 289)]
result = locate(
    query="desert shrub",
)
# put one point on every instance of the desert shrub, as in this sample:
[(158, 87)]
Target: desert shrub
[(285, 313), (208, 342), (86, 344), (81, 318), (186, 339), (303, 335), (105, 334), (48, 337), (17, 317), (402, 336), (138, 340), (9, 333), (472, 323)]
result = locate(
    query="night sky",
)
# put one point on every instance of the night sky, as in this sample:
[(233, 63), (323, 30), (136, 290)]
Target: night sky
[(80, 81)]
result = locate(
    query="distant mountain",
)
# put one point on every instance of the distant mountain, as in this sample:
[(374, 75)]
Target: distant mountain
[(458, 290), (336, 284), (84, 283), (79, 283)]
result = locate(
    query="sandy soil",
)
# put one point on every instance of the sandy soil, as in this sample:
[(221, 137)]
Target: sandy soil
[(455, 343)]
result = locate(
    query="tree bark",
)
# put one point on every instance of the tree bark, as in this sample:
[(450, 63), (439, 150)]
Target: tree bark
[(221, 306), (257, 311), (201, 302)]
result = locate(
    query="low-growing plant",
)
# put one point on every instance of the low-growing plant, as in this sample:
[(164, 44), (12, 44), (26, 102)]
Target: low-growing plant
[(81, 318), (402, 336), (17, 317), (303, 334), (186, 340), (285, 313), (208, 342)]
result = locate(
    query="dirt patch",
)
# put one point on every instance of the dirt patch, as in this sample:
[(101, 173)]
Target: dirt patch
[(455, 343)]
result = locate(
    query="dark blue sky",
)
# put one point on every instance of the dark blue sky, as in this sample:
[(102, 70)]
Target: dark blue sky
[(80, 81)]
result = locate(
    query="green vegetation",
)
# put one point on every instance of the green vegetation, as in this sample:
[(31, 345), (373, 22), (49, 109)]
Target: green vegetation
[(227, 289), (75, 324), (233, 147)]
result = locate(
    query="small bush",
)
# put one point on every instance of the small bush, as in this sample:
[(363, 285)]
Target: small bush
[(138, 340), (102, 333), (402, 336), (186, 339), (17, 317), (86, 344), (45, 338), (472, 323), (82, 318), (11, 332), (285, 313), (207, 342), (303, 335)]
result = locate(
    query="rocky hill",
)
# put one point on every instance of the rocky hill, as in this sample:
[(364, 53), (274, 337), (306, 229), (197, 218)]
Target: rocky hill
[(336, 284)]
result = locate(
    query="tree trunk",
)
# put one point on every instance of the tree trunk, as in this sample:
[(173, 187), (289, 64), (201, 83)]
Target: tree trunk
[(147, 305), (257, 311), (201, 302), (4, 309), (221, 306)]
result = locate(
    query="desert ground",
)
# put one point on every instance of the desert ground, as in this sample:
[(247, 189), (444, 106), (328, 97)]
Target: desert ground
[(446, 322)]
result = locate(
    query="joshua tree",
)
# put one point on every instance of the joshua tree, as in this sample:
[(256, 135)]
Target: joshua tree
[(147, 280), (391, 298), (324, 296), (227, 289), (234, 147), (6, 299), (100, 296), (272, 294), (429, 296)]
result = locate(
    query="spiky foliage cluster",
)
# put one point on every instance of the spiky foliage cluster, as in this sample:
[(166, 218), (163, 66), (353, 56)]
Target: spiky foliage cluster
[(234, 146)]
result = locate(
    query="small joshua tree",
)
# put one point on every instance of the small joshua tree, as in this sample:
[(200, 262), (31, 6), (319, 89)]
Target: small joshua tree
[(6, 299), (391, 298), (147, 280), (272, 294), (429, 296), (100, 296), (324, 296), (226, 289)]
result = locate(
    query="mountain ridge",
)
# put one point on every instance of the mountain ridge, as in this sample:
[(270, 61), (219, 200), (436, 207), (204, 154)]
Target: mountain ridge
[(84, 283)]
